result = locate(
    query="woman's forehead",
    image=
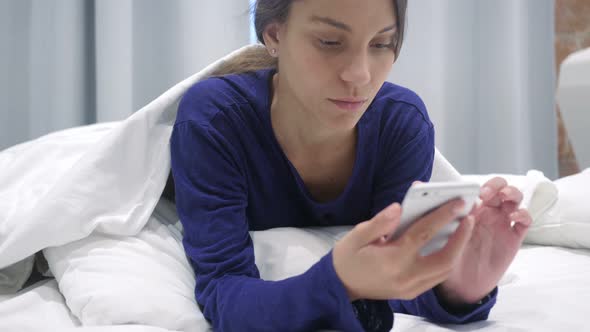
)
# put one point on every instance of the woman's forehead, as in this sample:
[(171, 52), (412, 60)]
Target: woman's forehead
[(346, 15)]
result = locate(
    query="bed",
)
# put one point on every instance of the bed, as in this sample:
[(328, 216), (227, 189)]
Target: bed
[(85, 229), (545, 289)]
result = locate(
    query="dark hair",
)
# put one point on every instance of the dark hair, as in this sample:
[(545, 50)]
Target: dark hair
[(269, 11)]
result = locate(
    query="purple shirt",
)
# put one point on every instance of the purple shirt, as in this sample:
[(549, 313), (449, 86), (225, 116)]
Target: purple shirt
[(231, 177)]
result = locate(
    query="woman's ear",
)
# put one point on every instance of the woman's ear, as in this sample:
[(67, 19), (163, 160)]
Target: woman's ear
[(271, 38)]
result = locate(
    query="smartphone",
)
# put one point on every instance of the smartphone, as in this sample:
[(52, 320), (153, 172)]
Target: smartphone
[(423, 198)]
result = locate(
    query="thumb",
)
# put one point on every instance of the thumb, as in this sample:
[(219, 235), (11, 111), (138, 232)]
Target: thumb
[(383, 224)]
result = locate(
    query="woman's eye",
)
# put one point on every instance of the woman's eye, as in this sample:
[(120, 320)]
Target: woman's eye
[(383, 46), (329, 43)]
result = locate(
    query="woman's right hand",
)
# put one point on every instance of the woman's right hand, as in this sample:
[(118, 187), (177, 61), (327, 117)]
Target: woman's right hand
[(372, 268)]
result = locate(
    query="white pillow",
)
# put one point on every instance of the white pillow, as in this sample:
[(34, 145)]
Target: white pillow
[(539, 193), (142, 279), (567, 223)]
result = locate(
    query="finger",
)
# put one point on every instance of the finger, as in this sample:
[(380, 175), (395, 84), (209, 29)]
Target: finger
[(522, 216), (426, 227), (509, 207), (511, 194), (454, 246), (522, 221), (489, 191), (371, 231)]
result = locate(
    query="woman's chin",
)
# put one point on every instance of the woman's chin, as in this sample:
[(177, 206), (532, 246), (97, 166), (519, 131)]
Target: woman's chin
[(343, 123)]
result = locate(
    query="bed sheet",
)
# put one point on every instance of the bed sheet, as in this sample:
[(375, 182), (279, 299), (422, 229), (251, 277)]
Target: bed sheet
[(545, 289)]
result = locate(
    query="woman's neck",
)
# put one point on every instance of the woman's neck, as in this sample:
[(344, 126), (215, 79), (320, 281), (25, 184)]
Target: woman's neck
[(298, 132)]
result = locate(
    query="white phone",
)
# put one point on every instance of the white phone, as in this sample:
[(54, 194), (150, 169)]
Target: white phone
[(423, 198)]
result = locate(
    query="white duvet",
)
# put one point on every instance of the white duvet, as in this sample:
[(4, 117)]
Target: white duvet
[(87, 197)]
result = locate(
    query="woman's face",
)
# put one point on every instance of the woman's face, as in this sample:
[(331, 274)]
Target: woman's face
[(334, 56)]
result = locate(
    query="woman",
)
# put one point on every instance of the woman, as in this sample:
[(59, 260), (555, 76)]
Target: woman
[(323, 140)]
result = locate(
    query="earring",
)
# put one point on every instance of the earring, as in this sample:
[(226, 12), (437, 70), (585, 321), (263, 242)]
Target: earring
[(273, 51)]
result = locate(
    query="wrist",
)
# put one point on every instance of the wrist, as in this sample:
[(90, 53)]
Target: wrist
[(456, 302)]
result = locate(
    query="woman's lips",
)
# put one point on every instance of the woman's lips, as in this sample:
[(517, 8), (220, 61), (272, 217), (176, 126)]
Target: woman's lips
[(349, 104)]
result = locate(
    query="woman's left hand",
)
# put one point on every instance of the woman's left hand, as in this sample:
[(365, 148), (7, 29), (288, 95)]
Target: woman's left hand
[(493, 245)]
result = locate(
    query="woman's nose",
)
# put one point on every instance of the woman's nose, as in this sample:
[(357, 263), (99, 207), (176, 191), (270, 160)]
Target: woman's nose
[(357, 70)]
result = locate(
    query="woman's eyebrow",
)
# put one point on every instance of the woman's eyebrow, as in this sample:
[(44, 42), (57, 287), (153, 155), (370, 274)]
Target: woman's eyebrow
[(343, 26)]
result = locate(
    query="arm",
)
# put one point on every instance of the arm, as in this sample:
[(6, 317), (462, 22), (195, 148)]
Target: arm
[(410, 160), (211, 198)]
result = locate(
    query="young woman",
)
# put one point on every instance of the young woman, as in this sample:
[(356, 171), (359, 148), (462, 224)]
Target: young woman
[(321, 139)]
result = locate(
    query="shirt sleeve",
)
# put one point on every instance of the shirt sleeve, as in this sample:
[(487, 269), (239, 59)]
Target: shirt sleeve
[(211, 199), (429, 306), (410, 159)]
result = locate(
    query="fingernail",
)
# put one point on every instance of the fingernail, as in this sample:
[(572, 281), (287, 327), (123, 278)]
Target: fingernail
[(513, 215)]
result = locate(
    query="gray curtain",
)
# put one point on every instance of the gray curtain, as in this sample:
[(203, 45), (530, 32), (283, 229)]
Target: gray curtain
[(65, 63), (485, 70)]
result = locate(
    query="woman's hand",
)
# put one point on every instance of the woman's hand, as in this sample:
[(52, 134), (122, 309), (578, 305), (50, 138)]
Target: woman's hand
[(372, 268), (493, 244)]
